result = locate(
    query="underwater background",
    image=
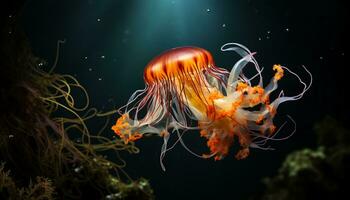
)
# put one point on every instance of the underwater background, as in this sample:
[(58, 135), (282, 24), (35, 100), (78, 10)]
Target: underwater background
[(109, 42)]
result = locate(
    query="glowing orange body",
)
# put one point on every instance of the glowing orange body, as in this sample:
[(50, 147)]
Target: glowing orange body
[(177, 61)]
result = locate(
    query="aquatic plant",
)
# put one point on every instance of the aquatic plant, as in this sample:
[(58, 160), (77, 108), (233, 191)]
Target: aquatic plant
[(40, 189), (320, 173), (43, 132)]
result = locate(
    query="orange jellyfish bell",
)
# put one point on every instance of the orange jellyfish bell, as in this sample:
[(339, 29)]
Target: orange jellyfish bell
[(178, 77), (186, 91), (176, 62)]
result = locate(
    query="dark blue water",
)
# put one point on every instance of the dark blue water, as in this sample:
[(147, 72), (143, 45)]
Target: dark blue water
[(108, 44)]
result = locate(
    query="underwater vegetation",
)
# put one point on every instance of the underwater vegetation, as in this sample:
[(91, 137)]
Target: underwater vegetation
[(47, 150), (320, 173), (185, 91)]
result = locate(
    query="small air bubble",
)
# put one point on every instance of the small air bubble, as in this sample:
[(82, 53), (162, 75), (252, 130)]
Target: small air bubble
[(208, 10), (103, 57), (100, 79), (98, 19)]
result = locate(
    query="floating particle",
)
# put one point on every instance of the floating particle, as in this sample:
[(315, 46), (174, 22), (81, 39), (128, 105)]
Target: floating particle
[(10, 16), (103, 57), (90, 69), (85, 57), (98, 19), (100, 79), (78, 169), (287, 29), (208, 10), (268, 32), (224, 25), (11, 136), (114, 196), (41, 64), (343, 54), (267, 37), (126, 31), (321, 58), (259, 38)]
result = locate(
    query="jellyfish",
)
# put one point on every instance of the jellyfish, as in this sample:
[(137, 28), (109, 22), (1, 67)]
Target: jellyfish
[(185, 91)]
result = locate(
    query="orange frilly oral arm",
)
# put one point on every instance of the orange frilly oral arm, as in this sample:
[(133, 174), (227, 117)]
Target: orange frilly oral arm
[(122, 128)]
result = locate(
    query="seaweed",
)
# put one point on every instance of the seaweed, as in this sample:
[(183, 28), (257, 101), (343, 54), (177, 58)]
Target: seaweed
[(44, 134)]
